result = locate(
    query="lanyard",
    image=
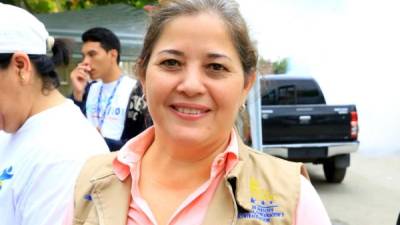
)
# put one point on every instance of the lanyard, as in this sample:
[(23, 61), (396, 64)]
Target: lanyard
[(98, 109)]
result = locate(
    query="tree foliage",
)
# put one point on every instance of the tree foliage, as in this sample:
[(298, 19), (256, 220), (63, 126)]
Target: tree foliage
[(280, 66), (52, 6), (273, 67)]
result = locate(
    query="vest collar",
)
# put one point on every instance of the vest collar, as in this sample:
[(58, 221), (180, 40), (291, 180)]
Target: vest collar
[(232, 194), (238, 181), (113, 208)]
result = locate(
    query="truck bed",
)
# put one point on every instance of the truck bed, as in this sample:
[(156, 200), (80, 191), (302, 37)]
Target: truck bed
[(286, 124)]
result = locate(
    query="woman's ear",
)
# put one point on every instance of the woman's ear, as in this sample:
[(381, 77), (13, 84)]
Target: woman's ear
[(141, 74), (21, 63), (143, 85), (250, 79)]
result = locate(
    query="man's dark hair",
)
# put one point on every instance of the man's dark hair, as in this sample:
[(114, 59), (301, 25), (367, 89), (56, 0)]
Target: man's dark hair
[(108, 40)]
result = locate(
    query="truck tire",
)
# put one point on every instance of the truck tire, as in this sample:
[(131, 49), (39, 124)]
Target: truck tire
[(333, 172), (334, 175)]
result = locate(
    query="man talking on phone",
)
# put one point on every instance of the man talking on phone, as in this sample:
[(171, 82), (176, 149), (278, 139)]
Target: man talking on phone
[(112, 102)]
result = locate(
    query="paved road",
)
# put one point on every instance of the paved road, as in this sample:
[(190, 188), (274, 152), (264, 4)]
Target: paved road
[(370, 193)]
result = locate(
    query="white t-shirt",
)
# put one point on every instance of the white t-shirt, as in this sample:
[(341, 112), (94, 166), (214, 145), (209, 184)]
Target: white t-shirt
[(40, 163), (4, 138), (114, 117)]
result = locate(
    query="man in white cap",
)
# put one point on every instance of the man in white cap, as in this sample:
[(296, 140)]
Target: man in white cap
[(49, 138)]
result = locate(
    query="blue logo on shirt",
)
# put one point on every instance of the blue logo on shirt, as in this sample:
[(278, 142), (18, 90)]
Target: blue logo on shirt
[(264, 204), (117, 111), (262, 210), (88, 197), (6, 175)]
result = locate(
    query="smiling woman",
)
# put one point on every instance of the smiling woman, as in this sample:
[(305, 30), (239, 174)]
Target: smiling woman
[(186, 74), (196, 68)]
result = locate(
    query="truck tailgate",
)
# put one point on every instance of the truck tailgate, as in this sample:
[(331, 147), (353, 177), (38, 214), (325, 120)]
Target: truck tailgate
[(306, 123)]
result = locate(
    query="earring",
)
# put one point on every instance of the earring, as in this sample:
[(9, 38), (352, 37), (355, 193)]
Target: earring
[(21, 75), (242, 107)]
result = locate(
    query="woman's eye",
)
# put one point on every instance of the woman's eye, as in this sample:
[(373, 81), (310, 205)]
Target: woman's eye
[(217, 67), (171, 63)]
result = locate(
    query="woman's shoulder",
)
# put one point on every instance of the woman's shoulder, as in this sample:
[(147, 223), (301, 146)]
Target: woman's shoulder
[(265, 162), (259, 156), (101, 159), (98, 166)]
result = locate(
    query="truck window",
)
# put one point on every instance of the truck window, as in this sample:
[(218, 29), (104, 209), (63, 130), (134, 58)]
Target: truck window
[(290, 91), (287, 95)]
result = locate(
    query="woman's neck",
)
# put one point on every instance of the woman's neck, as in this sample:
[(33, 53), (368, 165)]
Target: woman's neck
[(178, 167), (45, 100)]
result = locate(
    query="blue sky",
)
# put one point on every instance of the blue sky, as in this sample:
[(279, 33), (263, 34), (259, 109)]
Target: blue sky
[(351, 47)]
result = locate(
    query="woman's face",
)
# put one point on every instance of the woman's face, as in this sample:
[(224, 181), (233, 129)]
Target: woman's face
[(194, 82), (6, 99), (14, 103)]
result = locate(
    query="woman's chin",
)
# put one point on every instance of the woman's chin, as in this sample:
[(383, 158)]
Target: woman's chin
[(189, 136), (188, 139)]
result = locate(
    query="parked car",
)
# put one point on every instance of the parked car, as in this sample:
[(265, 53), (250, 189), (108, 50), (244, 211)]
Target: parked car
[(298, 125)]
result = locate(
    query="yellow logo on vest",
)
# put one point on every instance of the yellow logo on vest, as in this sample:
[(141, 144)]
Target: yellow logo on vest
[(264, 205)]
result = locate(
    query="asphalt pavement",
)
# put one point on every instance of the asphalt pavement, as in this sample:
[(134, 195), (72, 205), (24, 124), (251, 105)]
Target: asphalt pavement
[(369, 194)]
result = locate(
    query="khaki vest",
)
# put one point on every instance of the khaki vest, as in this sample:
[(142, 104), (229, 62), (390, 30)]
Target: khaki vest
[(260, 189)]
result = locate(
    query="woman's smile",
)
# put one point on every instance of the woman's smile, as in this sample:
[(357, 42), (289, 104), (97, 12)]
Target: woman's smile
[(190, 111)]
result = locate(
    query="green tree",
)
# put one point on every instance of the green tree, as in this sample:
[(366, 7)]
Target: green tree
[(264, 66), (276, 67), (52, 6), (280, 66)]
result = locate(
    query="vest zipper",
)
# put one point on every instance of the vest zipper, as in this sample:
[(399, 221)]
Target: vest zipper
[(235, 216)]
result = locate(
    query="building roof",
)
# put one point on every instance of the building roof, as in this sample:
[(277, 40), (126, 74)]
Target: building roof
[(127, 22)]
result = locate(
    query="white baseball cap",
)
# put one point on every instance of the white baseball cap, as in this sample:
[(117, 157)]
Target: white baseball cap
[(21, 31)]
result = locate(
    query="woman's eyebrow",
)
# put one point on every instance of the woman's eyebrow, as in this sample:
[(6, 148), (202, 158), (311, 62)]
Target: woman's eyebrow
[(218, 55), (171, 51), (179, 53)]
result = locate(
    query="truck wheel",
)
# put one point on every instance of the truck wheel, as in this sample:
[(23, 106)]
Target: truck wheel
[(332, 173)]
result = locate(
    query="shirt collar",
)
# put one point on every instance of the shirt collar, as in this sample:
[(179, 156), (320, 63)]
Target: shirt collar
[(231, 153), (133, 150)]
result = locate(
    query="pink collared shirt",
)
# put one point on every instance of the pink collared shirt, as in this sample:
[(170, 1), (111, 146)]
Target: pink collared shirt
[(194, 207), (310, 210)]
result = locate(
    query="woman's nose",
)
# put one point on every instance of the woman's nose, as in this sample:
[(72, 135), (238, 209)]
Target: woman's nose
[(192, 82)]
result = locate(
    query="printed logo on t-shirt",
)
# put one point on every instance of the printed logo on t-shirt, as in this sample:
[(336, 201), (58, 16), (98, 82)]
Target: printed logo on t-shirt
[(108, 113), (5, 175), (264, 204), (112, 113)]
